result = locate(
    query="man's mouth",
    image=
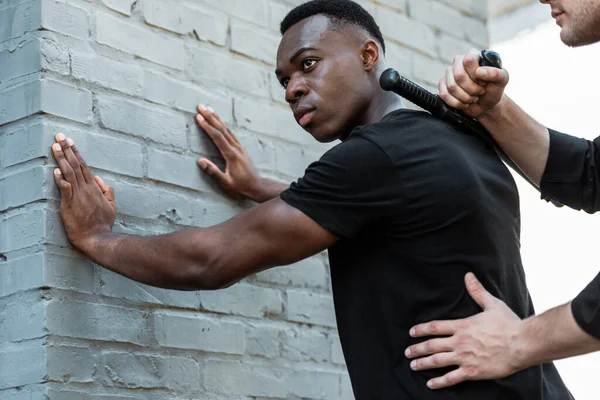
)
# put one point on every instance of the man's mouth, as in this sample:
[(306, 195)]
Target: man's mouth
[(306, 118), (557, 14), (304, 115)]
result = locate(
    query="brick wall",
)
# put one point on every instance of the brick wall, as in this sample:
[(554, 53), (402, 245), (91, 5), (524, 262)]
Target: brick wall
[(123, 78)]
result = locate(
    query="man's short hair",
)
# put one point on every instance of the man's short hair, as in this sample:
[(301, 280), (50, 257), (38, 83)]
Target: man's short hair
[(339, 12)]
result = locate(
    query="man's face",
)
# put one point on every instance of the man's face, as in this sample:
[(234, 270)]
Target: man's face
[(579, 20), (324, 77)]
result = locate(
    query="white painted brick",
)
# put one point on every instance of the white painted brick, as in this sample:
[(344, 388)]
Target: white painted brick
[(196, 332), (129, 370), (20, 367), (21, 274), (292, 160), (438, 15), (209, 213), (22, 145), (17, 19), (182, 170), (256, 11), (22, 318), (477, 8), (207, 25), (104, 152), (185, 96), (75, 103), (261, 149), (124, 36), (306, 273), (306, 345), (69, 273), (121, 6), (451, 46), (24, 60), (428, 70), (126, 78), (246, 39), (310, 308), (27, 395), (40, 184), (65, 18), (277, 12), (346, 392), (114, 285), (208, 65), (399, 5), (263, 340), (270, 120), (337, 354), (414, 34), (236, 378), (315, 384), (476, 31), (55, 56), (21, 230), (245, 300), (400, 58), (142, 120), (74, 395), (72, 364), (97, 321)]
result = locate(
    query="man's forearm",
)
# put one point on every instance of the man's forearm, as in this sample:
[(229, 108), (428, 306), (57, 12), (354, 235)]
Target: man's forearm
[(173, 261), (553, 335), (267, 190), (526, 141)]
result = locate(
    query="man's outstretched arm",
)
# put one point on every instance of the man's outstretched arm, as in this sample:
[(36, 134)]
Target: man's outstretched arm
[(496, 343), (271, 234)]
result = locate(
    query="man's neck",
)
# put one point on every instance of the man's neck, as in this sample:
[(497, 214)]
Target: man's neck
[(383, 104)]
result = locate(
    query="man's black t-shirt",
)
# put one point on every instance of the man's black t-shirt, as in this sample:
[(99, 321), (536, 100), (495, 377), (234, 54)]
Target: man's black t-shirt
[(416, 205)]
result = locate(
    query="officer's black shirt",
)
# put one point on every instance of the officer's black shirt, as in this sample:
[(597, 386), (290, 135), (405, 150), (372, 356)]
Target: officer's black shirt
[(416, 205), (572, 177)]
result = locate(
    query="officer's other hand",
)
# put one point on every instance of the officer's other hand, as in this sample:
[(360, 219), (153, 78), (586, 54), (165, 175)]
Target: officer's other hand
[(475, 90)]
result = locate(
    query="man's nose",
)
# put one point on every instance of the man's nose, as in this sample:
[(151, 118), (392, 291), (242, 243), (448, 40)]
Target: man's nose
[(296, 88)]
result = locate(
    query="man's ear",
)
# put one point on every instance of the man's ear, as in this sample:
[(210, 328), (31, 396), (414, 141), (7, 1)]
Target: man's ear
[(370, 54)]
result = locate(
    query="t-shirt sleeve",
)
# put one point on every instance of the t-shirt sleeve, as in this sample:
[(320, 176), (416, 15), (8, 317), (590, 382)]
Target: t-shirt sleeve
[(586, 308), (571, 175), (348, 188)]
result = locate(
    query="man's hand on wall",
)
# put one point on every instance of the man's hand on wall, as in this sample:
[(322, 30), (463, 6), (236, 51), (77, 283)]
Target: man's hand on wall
[(240, 178), (87, 204)]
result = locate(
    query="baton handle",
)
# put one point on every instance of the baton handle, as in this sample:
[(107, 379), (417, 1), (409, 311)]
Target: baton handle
[(391, 80)]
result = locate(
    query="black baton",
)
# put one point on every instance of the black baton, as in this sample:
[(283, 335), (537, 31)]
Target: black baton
[(391, 80)]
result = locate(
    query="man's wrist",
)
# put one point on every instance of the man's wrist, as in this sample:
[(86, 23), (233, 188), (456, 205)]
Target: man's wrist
[(495, 114), (523, 345)]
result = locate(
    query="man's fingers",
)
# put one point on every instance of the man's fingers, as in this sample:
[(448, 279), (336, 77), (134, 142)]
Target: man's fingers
[(470, 63), (429, 347), (478, 292), (438, 360), (455, 89), (64, 166), (107, 190), (84, 167), (448, 98), (464, 80), (211, 169), (215, 121), (435, 328), (222, 143), (70, 157), (66, 190), (450, 379), (493, 75)]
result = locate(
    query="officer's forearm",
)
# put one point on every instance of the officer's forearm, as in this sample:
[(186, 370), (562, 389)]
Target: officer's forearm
[(553, 335), (526, 141)]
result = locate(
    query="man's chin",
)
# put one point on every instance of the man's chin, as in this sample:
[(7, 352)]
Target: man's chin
[(321, 135)]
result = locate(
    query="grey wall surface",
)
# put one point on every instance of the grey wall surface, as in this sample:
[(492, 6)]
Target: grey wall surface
[(123, 77)]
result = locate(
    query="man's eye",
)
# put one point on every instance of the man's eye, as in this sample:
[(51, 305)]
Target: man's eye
[(284, 83), (309, 62)]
